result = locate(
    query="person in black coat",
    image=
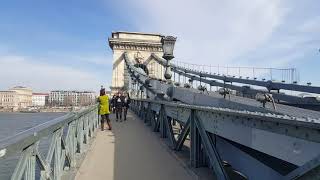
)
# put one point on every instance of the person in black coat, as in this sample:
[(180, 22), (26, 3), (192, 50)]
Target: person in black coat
[(126, 102), (113, 104), (118, 106)]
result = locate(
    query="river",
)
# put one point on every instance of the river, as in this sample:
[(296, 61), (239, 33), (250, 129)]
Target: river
[(13, 123)]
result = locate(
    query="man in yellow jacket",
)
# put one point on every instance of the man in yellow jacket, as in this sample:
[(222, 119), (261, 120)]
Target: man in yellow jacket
[(104, 109)]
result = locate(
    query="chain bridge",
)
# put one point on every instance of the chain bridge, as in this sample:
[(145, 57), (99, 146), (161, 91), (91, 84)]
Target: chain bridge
[(184, 123)]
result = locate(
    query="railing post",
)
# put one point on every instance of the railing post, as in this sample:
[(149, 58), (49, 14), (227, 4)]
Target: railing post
[(80, 135), (195, 142), (98, 120), (31, 167), (21, 166), (162, 118), (57, 156), (85, 128), (90, 125), (71, 142), (149, 114)]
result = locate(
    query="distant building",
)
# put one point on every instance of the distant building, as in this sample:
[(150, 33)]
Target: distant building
[(71, 98), (16, 97), (23, 96), (40, 99), (8, 99)]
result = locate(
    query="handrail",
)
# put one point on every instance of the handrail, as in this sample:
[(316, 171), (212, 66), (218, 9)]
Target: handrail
[(63, 147), (298, 121), (282, 97)]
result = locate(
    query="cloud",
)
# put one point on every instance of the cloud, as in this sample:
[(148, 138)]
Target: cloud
[(311, 25), (20, 70), (210, 31), (261, 33)]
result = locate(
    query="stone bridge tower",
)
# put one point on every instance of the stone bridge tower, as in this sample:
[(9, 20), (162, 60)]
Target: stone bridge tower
[(138, 46)]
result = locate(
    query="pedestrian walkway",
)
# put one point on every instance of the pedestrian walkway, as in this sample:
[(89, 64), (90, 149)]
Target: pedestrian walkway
[(130, 151)]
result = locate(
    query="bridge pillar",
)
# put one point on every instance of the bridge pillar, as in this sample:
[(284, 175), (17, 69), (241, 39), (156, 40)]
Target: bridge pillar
[(139, 47)]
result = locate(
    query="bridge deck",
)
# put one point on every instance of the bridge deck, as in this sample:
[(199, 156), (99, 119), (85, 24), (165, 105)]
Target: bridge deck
[(130, 151)]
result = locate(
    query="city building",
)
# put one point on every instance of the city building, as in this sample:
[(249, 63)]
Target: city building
[(71, 98), (8, 99), (139, 47), (23, 96), (40, 99)]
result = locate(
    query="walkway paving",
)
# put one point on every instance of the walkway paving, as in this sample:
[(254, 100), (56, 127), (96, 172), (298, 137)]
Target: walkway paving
[(131, 151)]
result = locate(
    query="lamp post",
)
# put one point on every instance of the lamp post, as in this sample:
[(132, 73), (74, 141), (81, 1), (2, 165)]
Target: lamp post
[(168, 46)]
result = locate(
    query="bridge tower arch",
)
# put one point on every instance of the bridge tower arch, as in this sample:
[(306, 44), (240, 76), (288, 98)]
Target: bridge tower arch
[(139, 46)]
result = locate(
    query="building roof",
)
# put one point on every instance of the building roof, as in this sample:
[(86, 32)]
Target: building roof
[(44, 94), (20, 88), (135, 41), (7, 91), (137, 33), (72, 91)]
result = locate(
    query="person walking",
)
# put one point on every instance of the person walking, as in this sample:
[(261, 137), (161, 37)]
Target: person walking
[(104, 109), (126, 102), (118, 106), (113, 104)]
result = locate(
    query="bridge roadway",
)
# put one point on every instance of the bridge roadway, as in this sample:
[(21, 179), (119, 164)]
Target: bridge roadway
[(130, 151)]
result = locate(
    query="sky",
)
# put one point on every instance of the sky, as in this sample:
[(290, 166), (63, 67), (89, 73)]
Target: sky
[(63, 44)]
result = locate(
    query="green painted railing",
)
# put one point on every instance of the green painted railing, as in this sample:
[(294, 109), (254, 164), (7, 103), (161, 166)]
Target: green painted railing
[(68, 135)]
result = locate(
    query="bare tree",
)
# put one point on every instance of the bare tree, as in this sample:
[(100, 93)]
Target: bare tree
[(84, 100), (68, 101)]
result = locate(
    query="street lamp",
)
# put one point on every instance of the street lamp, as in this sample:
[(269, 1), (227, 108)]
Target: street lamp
[(168, 46)]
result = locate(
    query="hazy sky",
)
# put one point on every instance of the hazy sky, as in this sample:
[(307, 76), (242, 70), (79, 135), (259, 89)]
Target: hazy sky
[(62, 44)]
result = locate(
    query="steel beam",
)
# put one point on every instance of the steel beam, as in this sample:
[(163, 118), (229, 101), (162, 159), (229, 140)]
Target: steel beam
[(306, 171), (170, 134), (183, 135), (213, 155), (162, 119)]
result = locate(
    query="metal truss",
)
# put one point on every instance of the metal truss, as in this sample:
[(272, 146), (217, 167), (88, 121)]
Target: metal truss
[(212, 147)]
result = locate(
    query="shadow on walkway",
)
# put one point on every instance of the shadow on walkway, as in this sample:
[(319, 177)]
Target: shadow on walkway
[(130, 151)]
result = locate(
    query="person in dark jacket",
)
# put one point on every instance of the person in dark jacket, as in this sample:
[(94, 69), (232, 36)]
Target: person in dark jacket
[(113, 104), (126, 102), (118, 106)]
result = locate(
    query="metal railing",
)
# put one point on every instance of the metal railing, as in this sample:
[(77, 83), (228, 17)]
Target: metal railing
[(214, 131), (267, 84), (68, 135), (230, 141), (289, 75), (226, 82)]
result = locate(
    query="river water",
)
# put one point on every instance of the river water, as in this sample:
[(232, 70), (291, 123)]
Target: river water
[(13, 123)]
